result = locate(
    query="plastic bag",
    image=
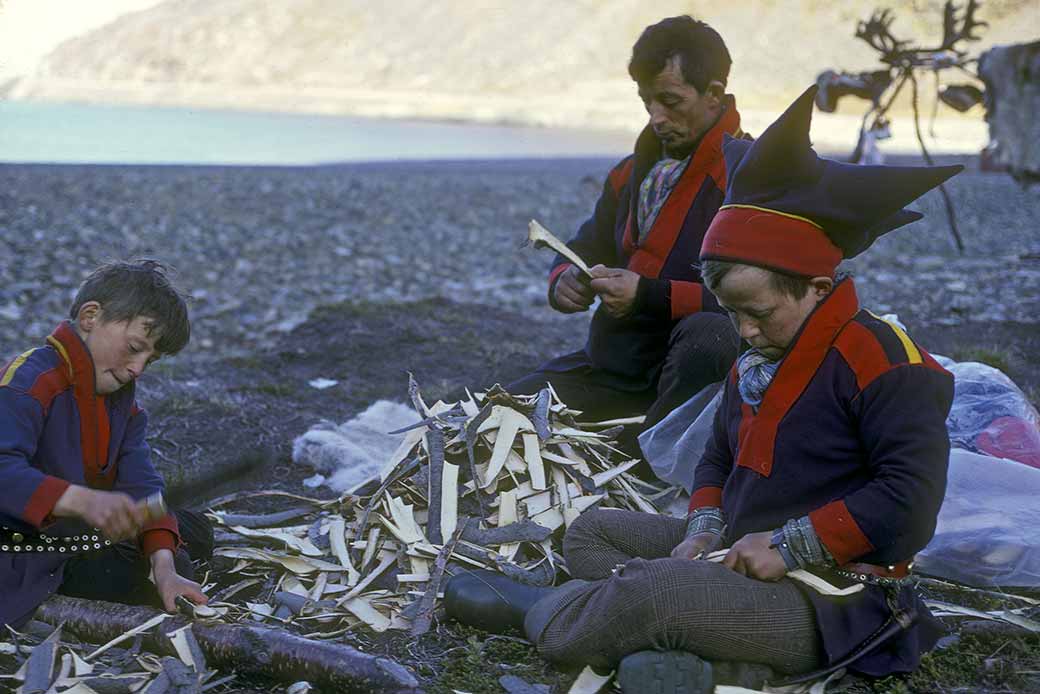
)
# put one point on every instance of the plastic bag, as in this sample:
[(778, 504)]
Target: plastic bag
[(990, 415), (674, 446), (986, 533)]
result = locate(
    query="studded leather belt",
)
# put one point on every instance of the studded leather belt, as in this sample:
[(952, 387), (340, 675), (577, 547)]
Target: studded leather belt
[(876, 574), (40, 543)]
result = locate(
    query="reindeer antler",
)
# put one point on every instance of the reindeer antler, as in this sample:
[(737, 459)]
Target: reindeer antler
[(951, 34), (877, 32)]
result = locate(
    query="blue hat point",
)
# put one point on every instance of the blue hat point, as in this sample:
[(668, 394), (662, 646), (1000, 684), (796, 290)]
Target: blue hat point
[(853, 204)]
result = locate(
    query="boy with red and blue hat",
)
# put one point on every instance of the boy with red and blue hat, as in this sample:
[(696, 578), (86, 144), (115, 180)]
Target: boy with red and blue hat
[(828, 456)]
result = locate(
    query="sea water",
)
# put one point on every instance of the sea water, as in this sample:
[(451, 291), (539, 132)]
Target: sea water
[(108, 134)]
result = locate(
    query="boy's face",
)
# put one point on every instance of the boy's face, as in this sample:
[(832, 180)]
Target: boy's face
[(768, 319), (121, 350)]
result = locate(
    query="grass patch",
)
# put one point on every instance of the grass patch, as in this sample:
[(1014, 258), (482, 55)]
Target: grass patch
[(993, 356), (477, 665)]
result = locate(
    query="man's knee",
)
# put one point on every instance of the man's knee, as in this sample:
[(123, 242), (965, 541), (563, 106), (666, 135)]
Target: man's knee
[(705, 339)]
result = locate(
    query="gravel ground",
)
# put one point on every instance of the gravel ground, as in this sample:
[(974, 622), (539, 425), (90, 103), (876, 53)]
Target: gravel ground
[(259, 248)]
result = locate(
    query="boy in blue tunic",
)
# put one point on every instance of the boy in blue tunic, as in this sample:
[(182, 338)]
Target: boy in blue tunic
[(828, 455), (75, 468)]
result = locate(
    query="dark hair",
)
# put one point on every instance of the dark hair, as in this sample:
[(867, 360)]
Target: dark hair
[(128, 289), (794, 286), (703, 56)]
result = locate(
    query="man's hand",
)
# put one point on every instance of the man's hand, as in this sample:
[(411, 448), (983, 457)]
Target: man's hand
[(117, 515), (616, 288), (691, 547), (572, 292), (752, 556), (170, 584)]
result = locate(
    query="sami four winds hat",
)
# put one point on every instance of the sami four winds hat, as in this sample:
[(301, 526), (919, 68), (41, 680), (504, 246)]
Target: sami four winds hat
[(787, 209)]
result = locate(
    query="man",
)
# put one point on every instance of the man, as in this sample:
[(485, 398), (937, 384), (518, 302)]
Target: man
[(657, 337), (75, 467), (828, 455)]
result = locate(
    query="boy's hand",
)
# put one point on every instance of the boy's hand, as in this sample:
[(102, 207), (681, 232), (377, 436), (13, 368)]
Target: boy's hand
[(692, 547), (572, 292), (172, 585), (616, 288), (117, 515), (753, 556)]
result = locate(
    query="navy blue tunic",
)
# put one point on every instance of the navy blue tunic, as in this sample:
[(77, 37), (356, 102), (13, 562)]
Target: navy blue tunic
[(666, 256), (851, 432)]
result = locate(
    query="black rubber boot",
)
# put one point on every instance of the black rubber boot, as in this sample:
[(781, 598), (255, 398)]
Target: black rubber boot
[(490, 601), (664, 672)]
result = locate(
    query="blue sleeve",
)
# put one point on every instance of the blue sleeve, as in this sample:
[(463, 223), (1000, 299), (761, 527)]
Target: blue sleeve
[(26, 493)]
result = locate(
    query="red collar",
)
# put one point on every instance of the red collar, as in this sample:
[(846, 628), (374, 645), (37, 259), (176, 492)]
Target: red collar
[(75, 354), (93, 415), (710, 147), (757, 435)]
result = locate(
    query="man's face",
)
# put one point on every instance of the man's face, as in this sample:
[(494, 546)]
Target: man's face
[(121, 350), (679, 114), (766, 318)]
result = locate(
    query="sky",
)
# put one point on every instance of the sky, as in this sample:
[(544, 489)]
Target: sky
[(30, 29)]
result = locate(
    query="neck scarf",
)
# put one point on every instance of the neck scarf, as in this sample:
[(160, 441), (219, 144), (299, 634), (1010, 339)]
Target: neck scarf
[(755, 372), (656, 187)]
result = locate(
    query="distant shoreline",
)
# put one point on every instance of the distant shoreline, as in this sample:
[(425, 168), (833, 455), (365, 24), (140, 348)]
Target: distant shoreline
[(612, 109)]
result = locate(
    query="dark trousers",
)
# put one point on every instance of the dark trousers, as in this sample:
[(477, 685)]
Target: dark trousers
[(701, 349), (120, 572), (631, 596)]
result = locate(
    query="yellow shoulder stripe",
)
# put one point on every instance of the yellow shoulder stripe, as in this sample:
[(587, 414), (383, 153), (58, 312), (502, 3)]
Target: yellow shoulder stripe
[(53, 342), (913, 354), (19, 360)]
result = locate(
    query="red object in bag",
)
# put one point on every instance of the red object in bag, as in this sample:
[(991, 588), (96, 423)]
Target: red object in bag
[(1013, 438)]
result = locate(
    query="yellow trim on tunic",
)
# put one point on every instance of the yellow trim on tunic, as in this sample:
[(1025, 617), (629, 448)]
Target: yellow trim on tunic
[(53, 342), (766, 209), (19, 360), (913, 354)]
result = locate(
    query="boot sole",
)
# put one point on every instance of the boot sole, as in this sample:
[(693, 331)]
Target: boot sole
[(664, 672)]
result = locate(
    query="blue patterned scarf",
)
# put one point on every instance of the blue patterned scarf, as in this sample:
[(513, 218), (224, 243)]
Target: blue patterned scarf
[(755, 372)]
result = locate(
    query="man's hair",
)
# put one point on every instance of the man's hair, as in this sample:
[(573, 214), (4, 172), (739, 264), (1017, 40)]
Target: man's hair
[(128, 289), (702, 53), (794, 286)]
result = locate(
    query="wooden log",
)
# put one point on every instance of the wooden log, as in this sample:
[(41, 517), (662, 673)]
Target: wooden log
[(272, 653)]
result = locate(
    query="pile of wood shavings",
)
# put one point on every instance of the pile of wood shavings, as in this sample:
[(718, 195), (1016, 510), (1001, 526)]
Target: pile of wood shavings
[(488, 482)]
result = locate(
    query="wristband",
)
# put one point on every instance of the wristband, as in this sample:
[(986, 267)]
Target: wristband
[(779, 543)]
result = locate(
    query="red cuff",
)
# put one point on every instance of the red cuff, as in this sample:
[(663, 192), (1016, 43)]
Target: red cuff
[(839, 532), (686, 298), (162, 534), (556, 272), (40, 505), (706, 496)]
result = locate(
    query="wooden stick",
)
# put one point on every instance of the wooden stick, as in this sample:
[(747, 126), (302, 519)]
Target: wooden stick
[(270, 652)]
